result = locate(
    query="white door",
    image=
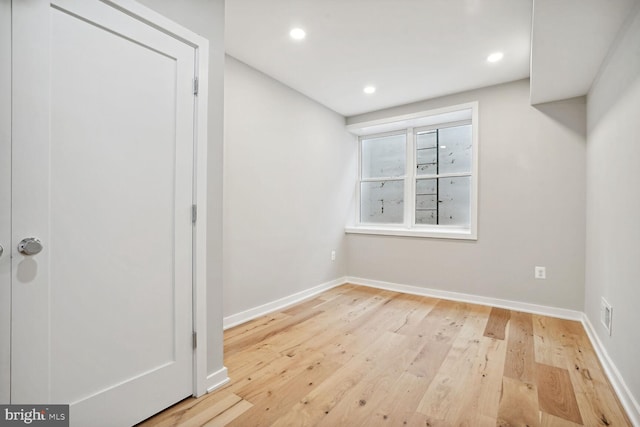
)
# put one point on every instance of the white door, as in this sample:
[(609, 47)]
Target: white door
[(102, 164)]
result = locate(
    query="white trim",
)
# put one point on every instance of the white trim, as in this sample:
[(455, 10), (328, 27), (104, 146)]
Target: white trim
[(412, 125), (200, 227), (418, 231), (444, 175), (475, 168), (158, 21), (627, 399), (561, 313), (217, 379), (410, 183), (420, 119), (261, 310), (384, 178)]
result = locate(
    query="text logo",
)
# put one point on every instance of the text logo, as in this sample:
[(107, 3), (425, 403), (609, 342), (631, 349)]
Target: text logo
[(34, 415)]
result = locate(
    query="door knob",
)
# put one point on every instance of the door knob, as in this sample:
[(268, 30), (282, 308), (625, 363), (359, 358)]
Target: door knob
[(30, 246), (1, 250)]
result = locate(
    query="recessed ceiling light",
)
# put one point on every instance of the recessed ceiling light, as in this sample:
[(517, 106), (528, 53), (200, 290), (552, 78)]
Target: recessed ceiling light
[(297, 34), (369, 89), (495, 57)]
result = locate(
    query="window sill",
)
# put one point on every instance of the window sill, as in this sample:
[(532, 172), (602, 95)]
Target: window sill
[(439, 233)]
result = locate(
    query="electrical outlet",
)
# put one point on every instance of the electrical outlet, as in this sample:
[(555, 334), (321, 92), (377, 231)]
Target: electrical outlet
[(540, 272), (605, 314), (333, 255)]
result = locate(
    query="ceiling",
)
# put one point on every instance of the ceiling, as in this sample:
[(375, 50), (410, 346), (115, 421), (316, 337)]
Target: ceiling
[(570, 39), (412, 50)]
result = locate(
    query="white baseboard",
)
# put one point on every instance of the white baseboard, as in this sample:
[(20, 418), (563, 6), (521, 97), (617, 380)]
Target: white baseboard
[(217, 379), (627, 399), (253, 313), (561, 313)]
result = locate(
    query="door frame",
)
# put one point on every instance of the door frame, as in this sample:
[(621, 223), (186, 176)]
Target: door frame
[(199, 196)]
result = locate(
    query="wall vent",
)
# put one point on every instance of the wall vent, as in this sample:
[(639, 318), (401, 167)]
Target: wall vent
[(605, 314)]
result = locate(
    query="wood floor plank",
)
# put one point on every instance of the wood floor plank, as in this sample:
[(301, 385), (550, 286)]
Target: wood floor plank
[(555, 393), (596, 399), (252, 326), (497, 323), (197, 412), (485, 387), (549, 349), (594, 394), (175, 415), (229, 415), (271, 344), (439, 328), (445, 399), (357, 403), (304, 306), (360, 356), (228, 406), (279, 396), (547, 420), (317, 404), (275, 329), (518, 404), (520, 361)]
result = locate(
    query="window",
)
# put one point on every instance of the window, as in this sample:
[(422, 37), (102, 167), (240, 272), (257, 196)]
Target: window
[(418, 175), (382, 179)]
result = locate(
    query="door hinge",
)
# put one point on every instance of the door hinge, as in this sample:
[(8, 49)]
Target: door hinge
[(195, 339), (195, 85), (194, 213)]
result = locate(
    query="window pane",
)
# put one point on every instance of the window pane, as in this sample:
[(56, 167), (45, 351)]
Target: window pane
[(426, 201), (382, 202), (443, 201), (384, 156), (454, 196), (426, 153), (454, 152)]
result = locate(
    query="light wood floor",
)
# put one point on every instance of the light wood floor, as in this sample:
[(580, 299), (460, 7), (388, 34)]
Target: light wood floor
[(356, 356)]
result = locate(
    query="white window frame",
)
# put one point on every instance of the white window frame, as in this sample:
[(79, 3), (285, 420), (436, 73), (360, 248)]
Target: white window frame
[(411, 124)]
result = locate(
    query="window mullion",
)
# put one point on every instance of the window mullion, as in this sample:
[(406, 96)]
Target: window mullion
[(358, 213), (437, 173), (383, 178), (409, 185), (444, 175)]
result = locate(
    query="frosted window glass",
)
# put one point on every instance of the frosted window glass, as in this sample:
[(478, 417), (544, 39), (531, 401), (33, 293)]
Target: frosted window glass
[(426, 153), (454, 151), (443, 201), (453, 199), (383, 156), (382, 202), (426, 201)]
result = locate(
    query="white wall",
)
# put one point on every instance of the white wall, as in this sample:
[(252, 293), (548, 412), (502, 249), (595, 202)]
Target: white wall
[(613, 202), (531, 207), (288, 181), (206, 18)]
